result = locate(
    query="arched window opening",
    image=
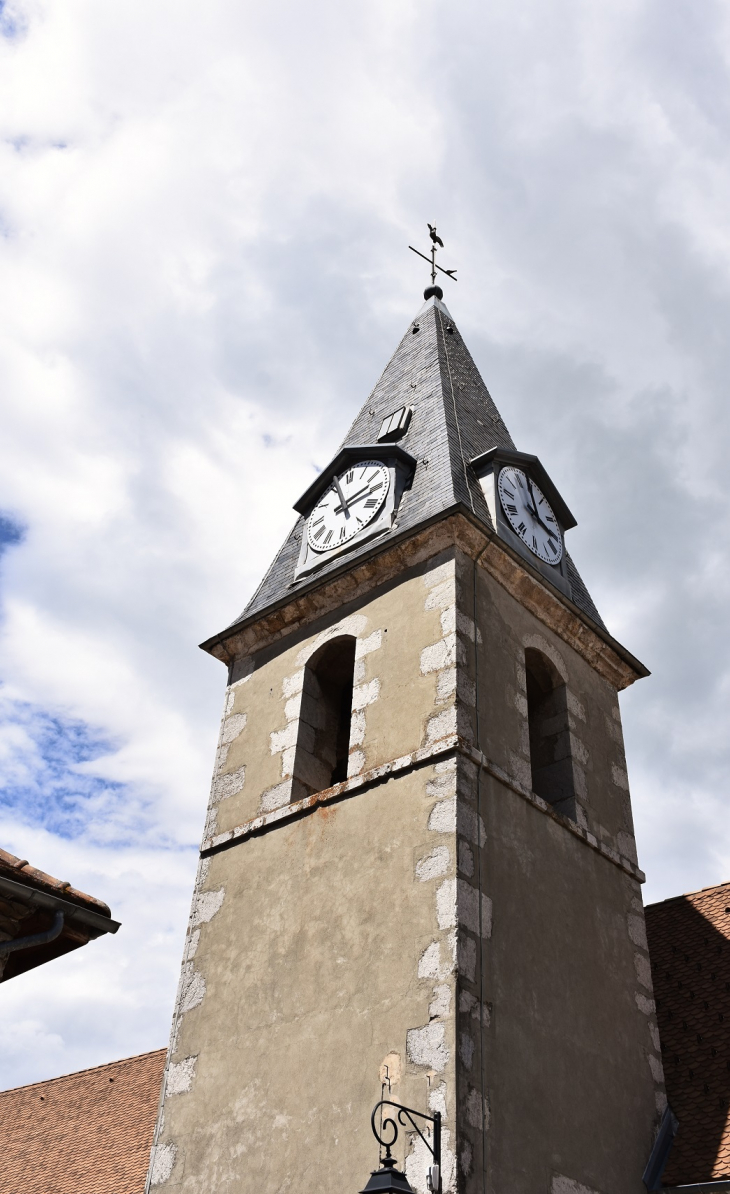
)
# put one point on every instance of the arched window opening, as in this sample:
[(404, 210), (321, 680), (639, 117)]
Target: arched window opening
[(550, 753), (323, 743)]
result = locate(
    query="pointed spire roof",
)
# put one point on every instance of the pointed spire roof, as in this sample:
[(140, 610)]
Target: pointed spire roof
[(454, 421)]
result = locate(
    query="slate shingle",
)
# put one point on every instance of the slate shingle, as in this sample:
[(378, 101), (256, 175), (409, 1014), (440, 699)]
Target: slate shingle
[(454, 420)]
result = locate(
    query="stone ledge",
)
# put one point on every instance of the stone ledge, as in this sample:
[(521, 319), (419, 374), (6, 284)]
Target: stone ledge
[(348, 787), (452, 743), (507, 781)]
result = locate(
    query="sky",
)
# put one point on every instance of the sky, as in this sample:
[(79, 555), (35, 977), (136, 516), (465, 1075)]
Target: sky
[(205, 216)]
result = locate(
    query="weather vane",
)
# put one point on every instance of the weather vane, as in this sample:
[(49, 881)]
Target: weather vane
[(435, 242)]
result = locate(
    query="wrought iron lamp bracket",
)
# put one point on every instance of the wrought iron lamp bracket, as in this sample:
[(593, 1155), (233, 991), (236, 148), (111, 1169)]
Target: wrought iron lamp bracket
[(405, 1118)]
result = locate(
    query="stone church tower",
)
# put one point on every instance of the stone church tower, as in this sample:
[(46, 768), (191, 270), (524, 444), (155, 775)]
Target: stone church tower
[(418, 872)]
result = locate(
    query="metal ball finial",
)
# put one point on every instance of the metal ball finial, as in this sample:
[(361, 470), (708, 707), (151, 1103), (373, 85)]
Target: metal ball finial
[(433, 292)]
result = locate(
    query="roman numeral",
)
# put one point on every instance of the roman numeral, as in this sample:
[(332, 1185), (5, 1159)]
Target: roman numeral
[(512, 508), (378, 486), (342, 532), (318, 520), (371, 503), (549, 518), (319, 532), (508, 491), (534, 542), (553, 547), (328, 536), (521, 528), (350, 476)]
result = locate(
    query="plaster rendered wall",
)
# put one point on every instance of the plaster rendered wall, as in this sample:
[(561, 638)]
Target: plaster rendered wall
[(324, 950), (566, 1084), (404, 695), (599, 762), (513, 995), (572, 1075)]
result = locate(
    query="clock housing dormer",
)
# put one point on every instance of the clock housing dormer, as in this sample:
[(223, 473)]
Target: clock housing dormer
[(362, 474), (527, 510)]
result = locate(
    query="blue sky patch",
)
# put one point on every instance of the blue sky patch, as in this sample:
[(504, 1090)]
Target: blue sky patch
[(43, 782), (11, 533), (10, 22)]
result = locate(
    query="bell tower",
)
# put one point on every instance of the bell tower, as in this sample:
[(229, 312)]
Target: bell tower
[(418, 872)]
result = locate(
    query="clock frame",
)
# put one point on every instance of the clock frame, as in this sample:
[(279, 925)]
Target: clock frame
[(488, 467), (400, 466)]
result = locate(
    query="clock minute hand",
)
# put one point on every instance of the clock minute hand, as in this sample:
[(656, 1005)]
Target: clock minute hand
[(533, 508), (342, 498), (363, 493), (534, 512)]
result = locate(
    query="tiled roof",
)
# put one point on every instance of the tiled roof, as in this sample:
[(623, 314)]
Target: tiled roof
[(85, 1133), (689, 941), (455, 420), (22, 914), (21, 870)]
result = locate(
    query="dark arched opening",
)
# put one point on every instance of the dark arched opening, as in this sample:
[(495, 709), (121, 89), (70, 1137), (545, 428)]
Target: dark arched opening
[(323, 743), (550, 748)]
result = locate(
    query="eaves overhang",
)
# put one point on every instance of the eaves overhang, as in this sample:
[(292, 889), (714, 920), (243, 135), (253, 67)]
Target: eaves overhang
[(94, 923), (532, 463), (350, 455), (214, 644)]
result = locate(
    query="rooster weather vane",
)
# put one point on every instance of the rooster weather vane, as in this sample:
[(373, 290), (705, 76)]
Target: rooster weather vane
[(436, 243)]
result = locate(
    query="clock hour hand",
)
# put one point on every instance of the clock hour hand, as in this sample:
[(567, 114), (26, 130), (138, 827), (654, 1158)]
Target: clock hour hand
[(342, 498)]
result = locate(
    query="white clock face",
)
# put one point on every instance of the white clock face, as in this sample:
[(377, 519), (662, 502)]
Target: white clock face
[(352, 501), (529, 514)]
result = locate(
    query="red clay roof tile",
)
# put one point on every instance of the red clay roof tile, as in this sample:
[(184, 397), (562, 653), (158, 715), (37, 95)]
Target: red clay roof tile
[(21, 870), (689, 942), (85, 1133)]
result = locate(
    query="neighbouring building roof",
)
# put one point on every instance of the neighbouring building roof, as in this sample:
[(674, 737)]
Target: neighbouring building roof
[(30, 904), (689, 942), (454, 421), (84, 1133)]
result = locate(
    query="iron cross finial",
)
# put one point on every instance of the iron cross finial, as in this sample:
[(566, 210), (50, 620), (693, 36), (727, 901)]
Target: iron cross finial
[(435, 242)]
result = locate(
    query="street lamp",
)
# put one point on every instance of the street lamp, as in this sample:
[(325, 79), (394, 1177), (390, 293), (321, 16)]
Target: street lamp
[(388, 1179)]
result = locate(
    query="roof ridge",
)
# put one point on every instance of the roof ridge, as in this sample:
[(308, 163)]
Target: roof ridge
[(686, 894), (77, 1073), (456, 450)]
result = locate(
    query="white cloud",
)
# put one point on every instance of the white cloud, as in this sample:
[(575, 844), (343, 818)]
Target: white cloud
[(203, 268)]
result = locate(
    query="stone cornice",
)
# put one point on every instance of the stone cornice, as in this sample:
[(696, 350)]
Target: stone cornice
[(457, 529), (612, 661)]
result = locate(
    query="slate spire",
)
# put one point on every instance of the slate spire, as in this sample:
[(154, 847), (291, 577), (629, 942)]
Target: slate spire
[(454, 421)]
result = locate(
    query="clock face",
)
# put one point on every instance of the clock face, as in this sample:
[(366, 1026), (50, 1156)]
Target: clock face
[(352, 501), (529, 514)]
